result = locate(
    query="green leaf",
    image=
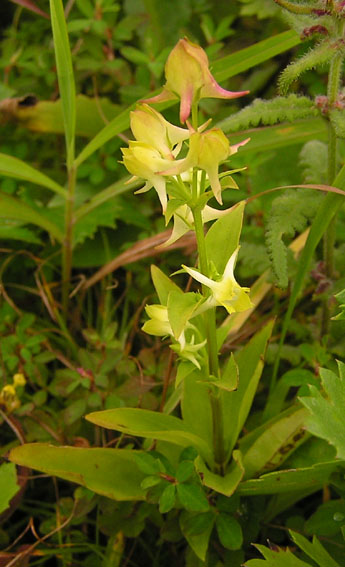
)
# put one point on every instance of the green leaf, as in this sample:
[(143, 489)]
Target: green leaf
[(252, 56), (195, 406), (223, 237), (163, 285), (167, 499), (276, 557), (290, 480), (192, 497), (10, 207), (184, 471), (237, 404), (8, 484), (275, 444), (46, 116), (226, 484), (328, 519), (13, 230), (154, 425), (314, 550), (14, 167), (195, 524), (65, 75), (198, 541), (110, 472), (229, 531), (327, 419), (229, 376), (181, 307)]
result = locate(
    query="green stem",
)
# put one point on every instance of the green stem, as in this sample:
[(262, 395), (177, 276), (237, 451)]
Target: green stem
[(67, 249), (213, 362), (334, 78)]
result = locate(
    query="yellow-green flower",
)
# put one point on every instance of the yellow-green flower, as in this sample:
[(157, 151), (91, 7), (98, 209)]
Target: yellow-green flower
[(150, 126), (188, 77), (226, 292), (159, 325), (143, 160)]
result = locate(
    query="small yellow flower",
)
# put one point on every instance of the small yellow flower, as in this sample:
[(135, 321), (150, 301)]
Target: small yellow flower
[(226, 292), (19, 380)]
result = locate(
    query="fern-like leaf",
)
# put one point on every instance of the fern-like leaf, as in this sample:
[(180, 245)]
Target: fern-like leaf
[(268, 112), (321, 54), (313, 161), (289, 214)]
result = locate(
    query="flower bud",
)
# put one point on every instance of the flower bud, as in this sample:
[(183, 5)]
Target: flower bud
[(189, 78)]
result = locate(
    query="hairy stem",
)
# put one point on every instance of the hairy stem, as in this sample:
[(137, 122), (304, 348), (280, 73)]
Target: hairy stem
[(334, 77), (68, 240)]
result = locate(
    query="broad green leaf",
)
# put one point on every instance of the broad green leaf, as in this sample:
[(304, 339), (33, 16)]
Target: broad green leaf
[(226, 484), (223, 237), (10, 207), (237, 404), (275, 444), (110, 472), (222, 69), (47, 117), (8, 484), (65, 74), (276, 557), (14, 167), (197, 541), (327, 419), (252, 56), (181, 307), (192, 497), (229, 531), (163, 285), (195, 524), (184, 471), (290, 480), (314, 550), (154, 425)]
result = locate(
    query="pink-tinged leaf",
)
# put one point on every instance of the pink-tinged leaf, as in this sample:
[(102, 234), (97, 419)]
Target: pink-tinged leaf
[(32, 7)]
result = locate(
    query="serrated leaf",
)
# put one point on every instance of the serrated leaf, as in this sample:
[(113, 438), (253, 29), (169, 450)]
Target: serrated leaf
[(229, 531), (276, 557), (314, 550), (327, 418)]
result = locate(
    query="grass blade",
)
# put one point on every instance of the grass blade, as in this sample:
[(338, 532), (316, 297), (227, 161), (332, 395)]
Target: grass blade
[(14, 167), (65, 75)]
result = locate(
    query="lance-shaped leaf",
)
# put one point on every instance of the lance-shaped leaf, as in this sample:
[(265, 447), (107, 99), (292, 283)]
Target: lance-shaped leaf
[(13, 208), (151, 424), (65, 74), (110, 472), (14, 167), (226, 484)]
